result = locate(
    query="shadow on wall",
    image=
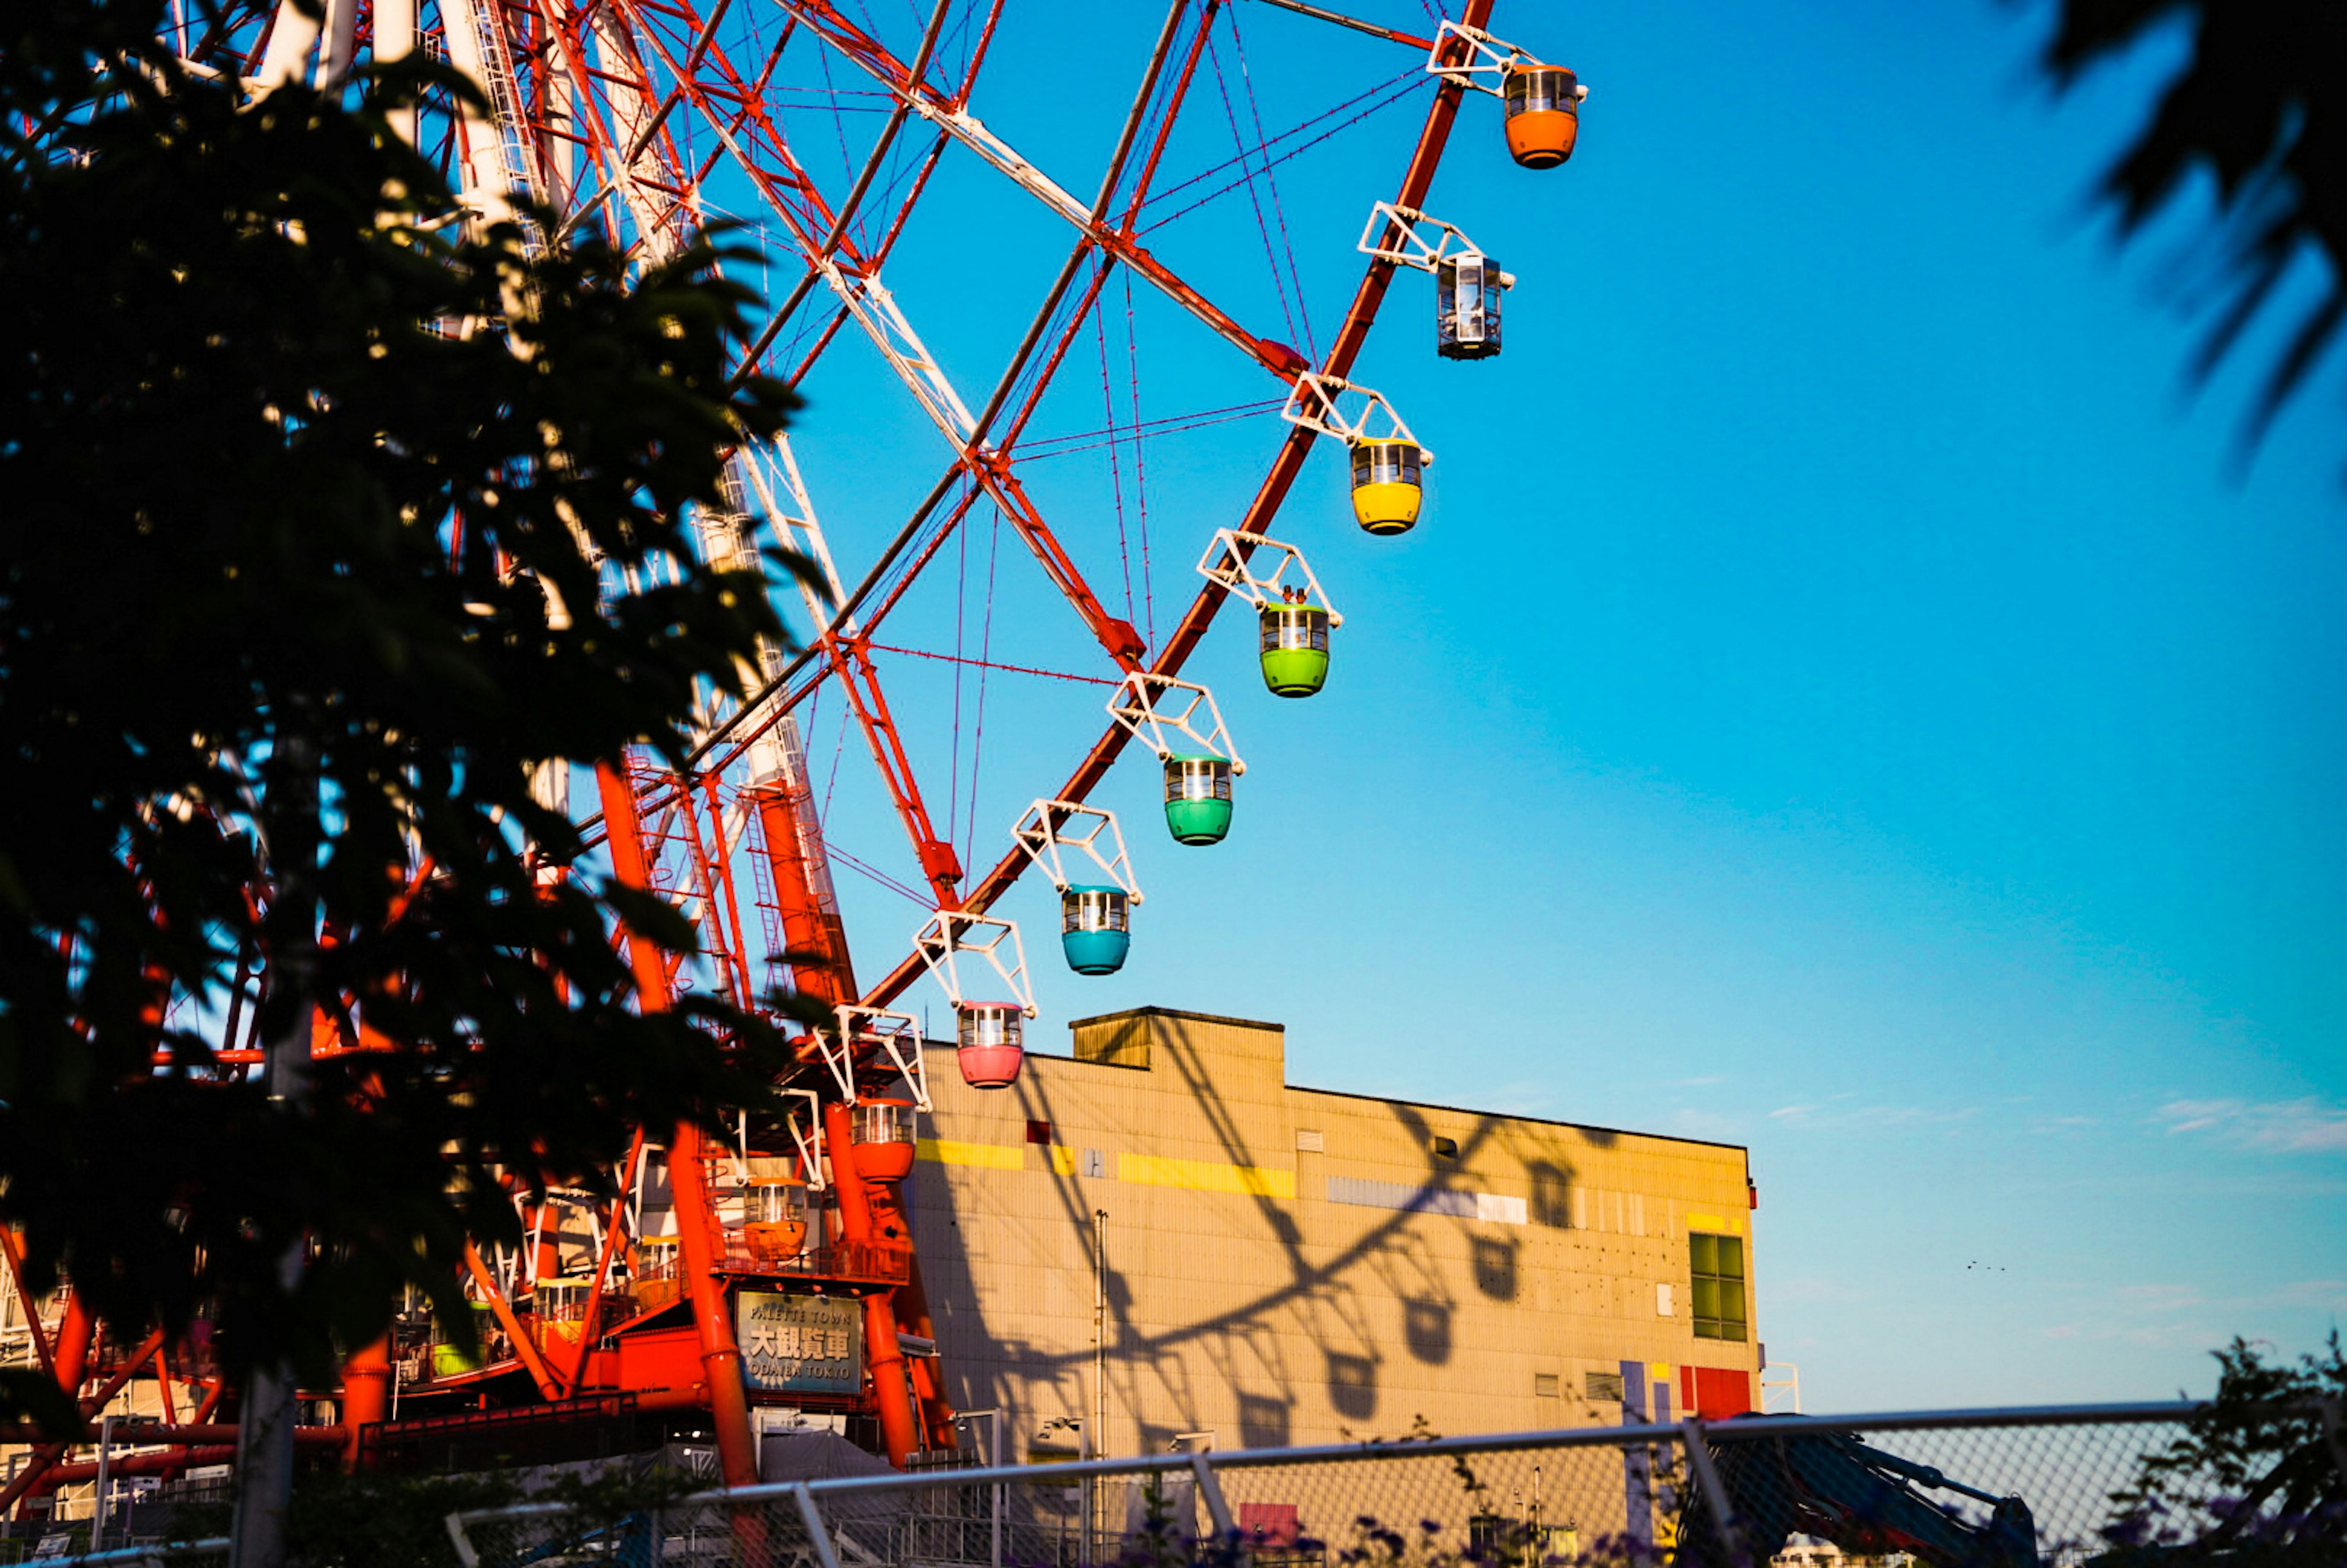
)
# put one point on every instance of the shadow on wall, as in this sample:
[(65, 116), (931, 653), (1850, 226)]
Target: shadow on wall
[(1495, 1268), (1552, 1196), (1264, 1421), (1319, 1299), (1426, 1330), (1352, 1385)]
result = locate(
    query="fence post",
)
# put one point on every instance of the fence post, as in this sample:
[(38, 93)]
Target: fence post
[(1723, 1521), (1211, 1489), (462, 1542), (818, 1538)]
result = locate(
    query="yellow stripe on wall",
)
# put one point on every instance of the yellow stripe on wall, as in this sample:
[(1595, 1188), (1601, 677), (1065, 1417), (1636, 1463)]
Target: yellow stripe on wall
[(1063, 1159), (1204, 1175), (1715, 1222), (990, 1156)]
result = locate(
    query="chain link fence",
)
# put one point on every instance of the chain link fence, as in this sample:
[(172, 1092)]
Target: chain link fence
[(2115, 1486)]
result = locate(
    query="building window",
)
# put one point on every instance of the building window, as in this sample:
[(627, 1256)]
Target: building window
[(1716, 1264), (1603, 1387), (1544, 1385), (1446, 1148)]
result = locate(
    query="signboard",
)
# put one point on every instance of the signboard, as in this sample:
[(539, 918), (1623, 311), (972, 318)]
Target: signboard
[(800, 1344)]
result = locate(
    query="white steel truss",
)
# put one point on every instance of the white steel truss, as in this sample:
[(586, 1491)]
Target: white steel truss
[(808, 1138)]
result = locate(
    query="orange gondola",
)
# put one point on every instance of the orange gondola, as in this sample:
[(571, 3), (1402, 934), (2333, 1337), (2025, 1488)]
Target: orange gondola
[(1543, 105)]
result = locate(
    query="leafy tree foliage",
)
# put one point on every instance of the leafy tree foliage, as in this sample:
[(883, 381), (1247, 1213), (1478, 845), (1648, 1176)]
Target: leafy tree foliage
[(2259, 1481), (326, 526), (2261, 107)]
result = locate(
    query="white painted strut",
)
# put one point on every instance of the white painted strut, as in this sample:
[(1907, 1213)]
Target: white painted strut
[(809, 1140)]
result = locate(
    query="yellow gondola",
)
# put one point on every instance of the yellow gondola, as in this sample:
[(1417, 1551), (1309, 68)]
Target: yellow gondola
[(1387, 484)]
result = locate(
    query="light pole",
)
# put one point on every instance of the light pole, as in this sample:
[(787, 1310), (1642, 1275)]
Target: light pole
[(996, 1496), (1093, 1439)]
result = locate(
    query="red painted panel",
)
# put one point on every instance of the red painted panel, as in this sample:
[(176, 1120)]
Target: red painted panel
[(664, 1358), (1269, 1524), (1715, 1393)]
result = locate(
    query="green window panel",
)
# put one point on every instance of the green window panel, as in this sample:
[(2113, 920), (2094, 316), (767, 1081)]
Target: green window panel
[(1715, 1278)]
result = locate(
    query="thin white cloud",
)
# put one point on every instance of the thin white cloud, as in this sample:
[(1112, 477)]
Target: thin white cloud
[(1829, 1114), (2180, 1317), (2288, 1126), (2158, 1297), (2323, 1295)]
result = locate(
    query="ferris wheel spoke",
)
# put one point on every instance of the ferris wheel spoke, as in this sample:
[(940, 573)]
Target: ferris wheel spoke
[(780, 686), (874, 309), (967, 129), (940, 867)]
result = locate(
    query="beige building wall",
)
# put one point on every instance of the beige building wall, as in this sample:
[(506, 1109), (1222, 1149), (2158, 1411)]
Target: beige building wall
[(1295, 1265)]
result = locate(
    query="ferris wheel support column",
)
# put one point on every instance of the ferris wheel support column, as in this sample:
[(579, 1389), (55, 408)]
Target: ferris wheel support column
[(721, 1355), (884, 1354), (366, 1395)]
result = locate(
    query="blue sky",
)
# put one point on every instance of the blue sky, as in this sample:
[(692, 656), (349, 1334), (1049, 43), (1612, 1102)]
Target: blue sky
[(1845, 697)]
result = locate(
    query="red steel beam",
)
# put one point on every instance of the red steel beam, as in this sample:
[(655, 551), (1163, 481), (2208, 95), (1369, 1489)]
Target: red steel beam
[(721, 1356)]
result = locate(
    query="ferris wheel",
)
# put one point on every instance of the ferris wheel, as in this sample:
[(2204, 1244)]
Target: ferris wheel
[(650, 120), (995, 542)]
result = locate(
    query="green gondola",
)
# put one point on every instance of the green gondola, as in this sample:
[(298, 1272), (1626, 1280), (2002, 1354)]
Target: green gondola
[(1295, 649), (1197, 797)]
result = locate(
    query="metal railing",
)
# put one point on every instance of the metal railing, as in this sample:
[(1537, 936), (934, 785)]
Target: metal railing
[(160, 1552), (1974, 1489)]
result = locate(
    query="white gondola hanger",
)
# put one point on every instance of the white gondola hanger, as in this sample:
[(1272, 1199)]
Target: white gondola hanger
[(1386, 461), (990, 1033), (1318, 401), (1052, 830), (1468, 283), (1487, 65), (809, 1138), (1157, 709), (1231, 560), (950, 938), (1398, 234), (1542, 102), (1165, 714), (897, 1035), (1095, 902)]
